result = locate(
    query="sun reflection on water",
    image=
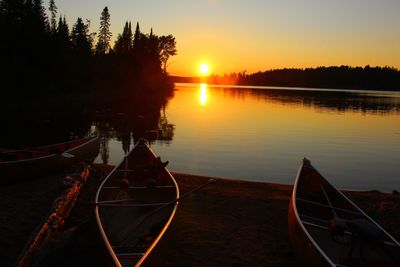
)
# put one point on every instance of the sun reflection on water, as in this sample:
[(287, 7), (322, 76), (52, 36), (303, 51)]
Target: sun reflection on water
[(203, 94)]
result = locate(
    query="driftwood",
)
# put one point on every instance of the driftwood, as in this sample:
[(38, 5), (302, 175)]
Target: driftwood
[(55, 221)]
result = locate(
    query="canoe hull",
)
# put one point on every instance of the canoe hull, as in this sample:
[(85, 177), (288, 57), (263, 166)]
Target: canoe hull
[(18, 170), (302, 246), (327, 229), (132, 226)]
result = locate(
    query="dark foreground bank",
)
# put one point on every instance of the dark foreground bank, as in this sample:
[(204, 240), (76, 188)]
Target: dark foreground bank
[(229, 223)]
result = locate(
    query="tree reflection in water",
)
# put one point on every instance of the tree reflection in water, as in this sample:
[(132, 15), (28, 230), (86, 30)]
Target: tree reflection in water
[(143, 116), (324, 100)]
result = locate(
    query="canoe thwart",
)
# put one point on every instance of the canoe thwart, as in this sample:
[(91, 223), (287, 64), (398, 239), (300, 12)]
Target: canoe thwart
[(327, 206), (132, 205), (138, 187)]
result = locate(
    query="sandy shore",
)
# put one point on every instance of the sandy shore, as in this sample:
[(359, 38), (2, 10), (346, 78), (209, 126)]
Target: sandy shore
[(229, 223), (24, 206), (240, 223)]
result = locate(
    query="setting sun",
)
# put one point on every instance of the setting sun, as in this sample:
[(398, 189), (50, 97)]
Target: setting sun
[(204, 69)]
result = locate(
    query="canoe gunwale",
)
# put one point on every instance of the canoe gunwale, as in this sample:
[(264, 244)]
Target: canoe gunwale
[(299, 221), (362, 213), (27, 160), (93, 138), (90, 140), (357, 211), (100, 225), (97, 215), (150, 249)]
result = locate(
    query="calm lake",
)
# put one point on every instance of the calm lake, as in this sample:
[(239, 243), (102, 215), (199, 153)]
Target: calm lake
[(261, 134)]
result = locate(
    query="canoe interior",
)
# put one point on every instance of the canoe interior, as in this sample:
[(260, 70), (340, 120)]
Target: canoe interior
[(130, 227), (314, 199)]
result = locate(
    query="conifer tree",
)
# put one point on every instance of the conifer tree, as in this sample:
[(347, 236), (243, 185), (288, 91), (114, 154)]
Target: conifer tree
[(137, 38), (81, 38), (40, 18), (129, 38), (103, 44), (123, 44), (152, 47), (53, 14), (62, 34)]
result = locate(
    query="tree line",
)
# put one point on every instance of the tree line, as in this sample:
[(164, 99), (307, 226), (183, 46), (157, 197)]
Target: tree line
[(338, 77), (341, 77), (41, 55)]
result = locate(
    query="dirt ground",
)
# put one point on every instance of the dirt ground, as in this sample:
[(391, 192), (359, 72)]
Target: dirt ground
[(229, 223)]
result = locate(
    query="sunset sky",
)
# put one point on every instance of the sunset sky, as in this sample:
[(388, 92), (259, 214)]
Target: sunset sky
[(257, 35)]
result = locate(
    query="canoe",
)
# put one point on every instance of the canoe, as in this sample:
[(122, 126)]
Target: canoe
[(328, 229), (17, 165), (135, 205)]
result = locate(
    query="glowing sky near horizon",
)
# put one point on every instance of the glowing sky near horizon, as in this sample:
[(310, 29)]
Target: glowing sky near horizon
[(257, 35)]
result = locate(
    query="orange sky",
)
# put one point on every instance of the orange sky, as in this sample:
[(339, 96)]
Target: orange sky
[(257, 35)]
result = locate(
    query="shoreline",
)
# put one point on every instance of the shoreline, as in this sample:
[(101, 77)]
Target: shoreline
[(350, 190), (229, 223)]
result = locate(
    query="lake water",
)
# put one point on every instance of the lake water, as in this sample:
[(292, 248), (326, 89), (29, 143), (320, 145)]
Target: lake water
[(261, 134)]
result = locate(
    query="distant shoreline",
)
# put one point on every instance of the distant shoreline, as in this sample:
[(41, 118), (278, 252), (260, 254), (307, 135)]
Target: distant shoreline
[(332, 77)]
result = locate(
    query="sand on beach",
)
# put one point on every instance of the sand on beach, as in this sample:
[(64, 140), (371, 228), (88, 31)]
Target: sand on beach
[(240, 223), (229, 223), (24, 206)]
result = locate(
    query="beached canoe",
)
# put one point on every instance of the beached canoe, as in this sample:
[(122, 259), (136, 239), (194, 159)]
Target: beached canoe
[(135, 205), (17, 165), (327, 229)]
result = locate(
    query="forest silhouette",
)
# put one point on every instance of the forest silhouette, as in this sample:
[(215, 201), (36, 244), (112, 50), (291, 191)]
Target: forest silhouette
[(58, 81), (334, 77), (46, 60)]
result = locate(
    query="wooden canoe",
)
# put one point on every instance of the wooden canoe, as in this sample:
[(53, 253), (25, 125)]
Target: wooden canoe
[(16, 165), (327, 229), (134, 206)]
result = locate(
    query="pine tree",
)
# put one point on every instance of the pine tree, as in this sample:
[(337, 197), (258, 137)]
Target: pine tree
[(153, 44), (40, 16), (103, 44), (137, 38), (129, 38), (81, 38), (53, 14), (123, 44), (62, 34)]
